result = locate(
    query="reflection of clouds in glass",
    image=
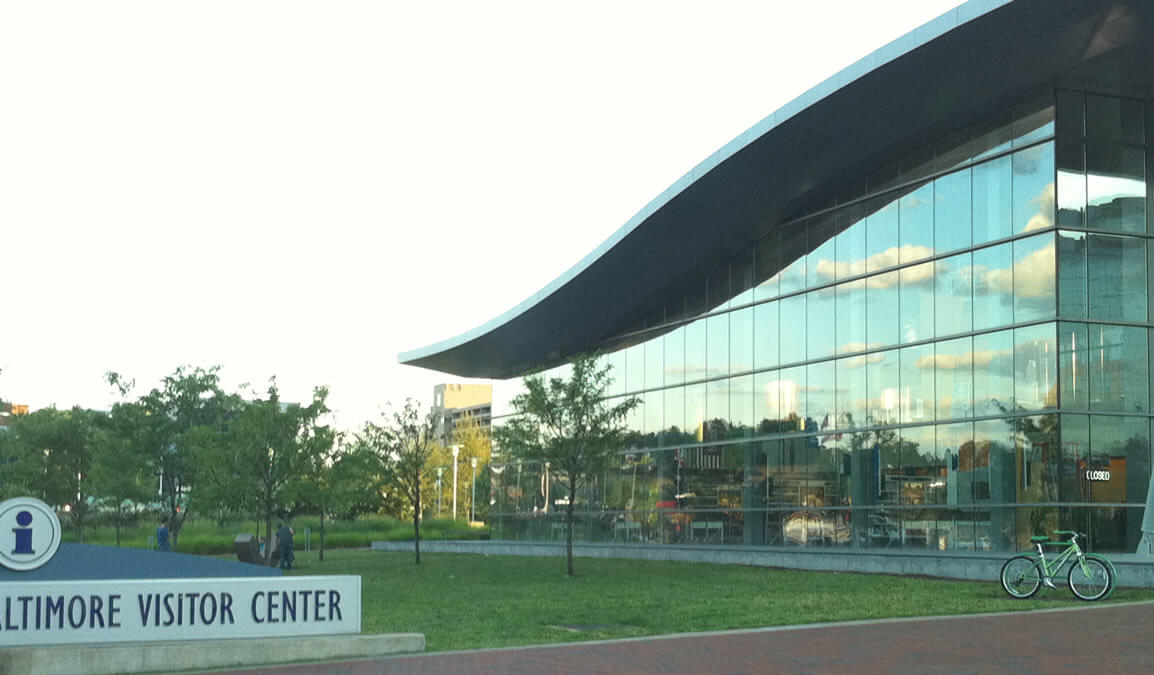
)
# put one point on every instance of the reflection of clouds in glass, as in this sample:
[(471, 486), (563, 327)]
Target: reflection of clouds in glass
[(861, 361), (1035, 275), (982, 358), (1044, 218), (912, 200), (1028, 162), (890, 257), (1107, 189)]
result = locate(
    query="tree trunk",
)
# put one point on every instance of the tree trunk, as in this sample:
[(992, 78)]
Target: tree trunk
[(322, 553), (417, 521), (569, 532), (119, 516)]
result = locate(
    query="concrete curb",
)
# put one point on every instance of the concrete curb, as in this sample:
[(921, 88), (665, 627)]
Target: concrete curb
[(1133, 570), (161, 657)]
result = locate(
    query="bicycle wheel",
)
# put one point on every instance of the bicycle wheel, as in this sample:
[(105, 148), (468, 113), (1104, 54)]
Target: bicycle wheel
[(1092, 583), (1021, 576)]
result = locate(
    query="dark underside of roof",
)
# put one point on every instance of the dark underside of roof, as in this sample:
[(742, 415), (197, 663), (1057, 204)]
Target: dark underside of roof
[(982, 66)]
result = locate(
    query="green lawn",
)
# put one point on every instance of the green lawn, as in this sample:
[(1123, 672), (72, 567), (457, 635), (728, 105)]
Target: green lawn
[(474, 601)]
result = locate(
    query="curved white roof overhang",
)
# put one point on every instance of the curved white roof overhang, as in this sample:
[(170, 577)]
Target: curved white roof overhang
[(976, 59)]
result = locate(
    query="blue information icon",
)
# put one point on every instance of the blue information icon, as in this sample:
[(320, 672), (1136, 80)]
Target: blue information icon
[(29, 533)]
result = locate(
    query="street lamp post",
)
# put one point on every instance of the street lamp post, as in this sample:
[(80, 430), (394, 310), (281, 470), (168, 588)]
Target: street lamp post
[(456, 451), (473, 500), (440, 470)]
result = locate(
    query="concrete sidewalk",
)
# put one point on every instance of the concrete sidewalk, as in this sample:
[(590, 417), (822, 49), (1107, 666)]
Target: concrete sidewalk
[(1099, 638)]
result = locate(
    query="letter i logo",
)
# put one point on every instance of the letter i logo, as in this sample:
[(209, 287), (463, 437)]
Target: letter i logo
[(23, 534), (29, 533)]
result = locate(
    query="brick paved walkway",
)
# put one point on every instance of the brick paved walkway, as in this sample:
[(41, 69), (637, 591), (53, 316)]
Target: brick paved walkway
[(1099, 638)]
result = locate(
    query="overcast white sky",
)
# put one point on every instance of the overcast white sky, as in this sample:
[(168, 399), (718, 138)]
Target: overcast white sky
[(305, 189)]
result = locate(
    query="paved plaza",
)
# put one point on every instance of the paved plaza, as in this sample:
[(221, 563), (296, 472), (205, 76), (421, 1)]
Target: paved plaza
[(1097, 638)]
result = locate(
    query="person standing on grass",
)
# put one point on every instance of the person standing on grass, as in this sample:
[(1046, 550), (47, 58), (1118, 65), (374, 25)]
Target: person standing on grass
[(284, 544), (162, 537)]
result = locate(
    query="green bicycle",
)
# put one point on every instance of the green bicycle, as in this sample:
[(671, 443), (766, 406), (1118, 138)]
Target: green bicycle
[(1091, 576)]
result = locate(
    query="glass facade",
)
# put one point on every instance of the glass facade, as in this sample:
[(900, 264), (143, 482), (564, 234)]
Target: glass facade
[(955, 360)]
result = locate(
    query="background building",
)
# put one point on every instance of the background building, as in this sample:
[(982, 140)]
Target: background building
[(910, 309), (454, 403)]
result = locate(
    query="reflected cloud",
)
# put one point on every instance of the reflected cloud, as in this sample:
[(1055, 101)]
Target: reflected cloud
[(830, 270), (1044, 218)]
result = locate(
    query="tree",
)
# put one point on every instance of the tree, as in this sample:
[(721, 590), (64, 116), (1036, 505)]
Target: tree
[(567, 424), (405, 445), (475, 442), (333, 481), (120, 478), (258, 464), (181, 419), (53, 451)]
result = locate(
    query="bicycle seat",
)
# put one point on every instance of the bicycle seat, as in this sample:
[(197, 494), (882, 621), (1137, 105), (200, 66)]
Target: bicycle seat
[(1039, 537)]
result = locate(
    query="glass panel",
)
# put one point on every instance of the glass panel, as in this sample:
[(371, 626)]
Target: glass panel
[(1115, 188), (1073, 487), (820, 261), (993, 373), (917, 384), (695, 409), (792, 276), (1071, 184), (1034, 188), (1121, 446), (1035, 367), (851, 243), (741, 340), (1073, 369), (654, 417), (765, 335), (994, 476), (695, 351), (992, 184), (852, 400), (616, 363), (766, 396), (1117, 283), (883, 387), (952, 212), (741, 279), (791, 397), (1034, 282), (919, 475), (1072, 300), (952, 151), (717, 288), (916, 224), (953, 296), (1071, 113), (820, 313), (674, 357), (1037, 468), (956, 444), (1113, 119), (882, 242), (655, 362), (766, 267), (1032, 123), (916, 303), (674, 418), (954, 378), (635, 368), (993, 136), (741, 406), (993, 274), (851, 316), (696, 300), (717, 341), (1119, 369), (717, 410), (821, 395), (882, 316), (793, 333)]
